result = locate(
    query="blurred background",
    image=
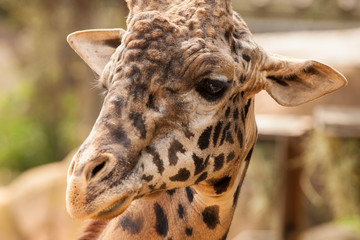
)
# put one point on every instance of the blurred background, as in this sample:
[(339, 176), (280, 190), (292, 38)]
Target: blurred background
[(304, 179)]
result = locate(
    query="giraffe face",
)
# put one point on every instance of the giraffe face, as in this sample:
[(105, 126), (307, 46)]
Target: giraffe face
[(150, 135), (178, 109)]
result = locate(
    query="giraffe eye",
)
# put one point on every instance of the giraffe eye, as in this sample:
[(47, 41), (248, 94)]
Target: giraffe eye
[(211, 89), (104, 93), (105, 90)]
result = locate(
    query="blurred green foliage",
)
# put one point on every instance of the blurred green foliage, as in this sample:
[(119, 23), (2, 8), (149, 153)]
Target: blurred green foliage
[(352, 220), (332, 166), (262, 179), (43, 100)]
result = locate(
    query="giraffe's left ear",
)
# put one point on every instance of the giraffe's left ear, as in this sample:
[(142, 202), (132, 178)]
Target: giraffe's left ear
[(292, 82), (95, 47)]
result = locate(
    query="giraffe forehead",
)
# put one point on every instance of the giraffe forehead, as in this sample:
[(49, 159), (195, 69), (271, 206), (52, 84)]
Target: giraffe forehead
[(156, 50), (190, 19)]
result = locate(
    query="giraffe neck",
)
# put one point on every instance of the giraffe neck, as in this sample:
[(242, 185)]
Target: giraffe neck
[(201, 211), (194, 212)]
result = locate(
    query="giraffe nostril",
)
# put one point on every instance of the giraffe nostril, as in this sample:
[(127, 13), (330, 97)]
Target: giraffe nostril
[(96, 170)]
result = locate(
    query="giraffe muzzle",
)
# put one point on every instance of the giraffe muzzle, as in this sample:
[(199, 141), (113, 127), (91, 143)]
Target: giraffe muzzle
[(97, 188)]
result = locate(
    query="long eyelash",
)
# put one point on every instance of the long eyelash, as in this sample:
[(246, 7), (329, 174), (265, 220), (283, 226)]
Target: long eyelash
[(96, 84)]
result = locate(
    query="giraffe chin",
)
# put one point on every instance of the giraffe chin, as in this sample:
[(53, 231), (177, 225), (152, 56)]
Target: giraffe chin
[(113, 210)]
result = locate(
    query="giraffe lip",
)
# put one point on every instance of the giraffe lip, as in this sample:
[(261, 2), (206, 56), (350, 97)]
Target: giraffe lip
[(113, 210)]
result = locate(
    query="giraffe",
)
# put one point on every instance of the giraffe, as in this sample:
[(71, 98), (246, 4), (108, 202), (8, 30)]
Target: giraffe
[(168, 154)]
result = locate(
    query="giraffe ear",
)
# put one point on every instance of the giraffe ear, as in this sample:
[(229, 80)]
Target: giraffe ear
[(95, 47), (292, 82)]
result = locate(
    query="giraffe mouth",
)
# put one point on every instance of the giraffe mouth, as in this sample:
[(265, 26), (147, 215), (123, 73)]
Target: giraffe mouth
[(114, 209)]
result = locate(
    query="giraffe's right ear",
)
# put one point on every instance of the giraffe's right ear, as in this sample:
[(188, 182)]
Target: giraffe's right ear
[(292, 82), (95, 47)]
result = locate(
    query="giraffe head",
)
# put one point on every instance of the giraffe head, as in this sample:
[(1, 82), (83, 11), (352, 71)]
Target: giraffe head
[(178, 111)]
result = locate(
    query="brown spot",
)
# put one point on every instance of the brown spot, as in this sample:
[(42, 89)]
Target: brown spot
[(204, 139), (224, 133), (189, 194), (227, 112), (171, 192), (211, 216), (246, 57), (217, 132), (229, 138), (156, 159), (189, 231), (201, 178), (200, 164), (174, 148), (162, 225), (221, 185), (219, 162), (133, 226), (147, 178), (242, 78), (182, 175), (118, 135), (139, 123), (230, 157), (181, 211)]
